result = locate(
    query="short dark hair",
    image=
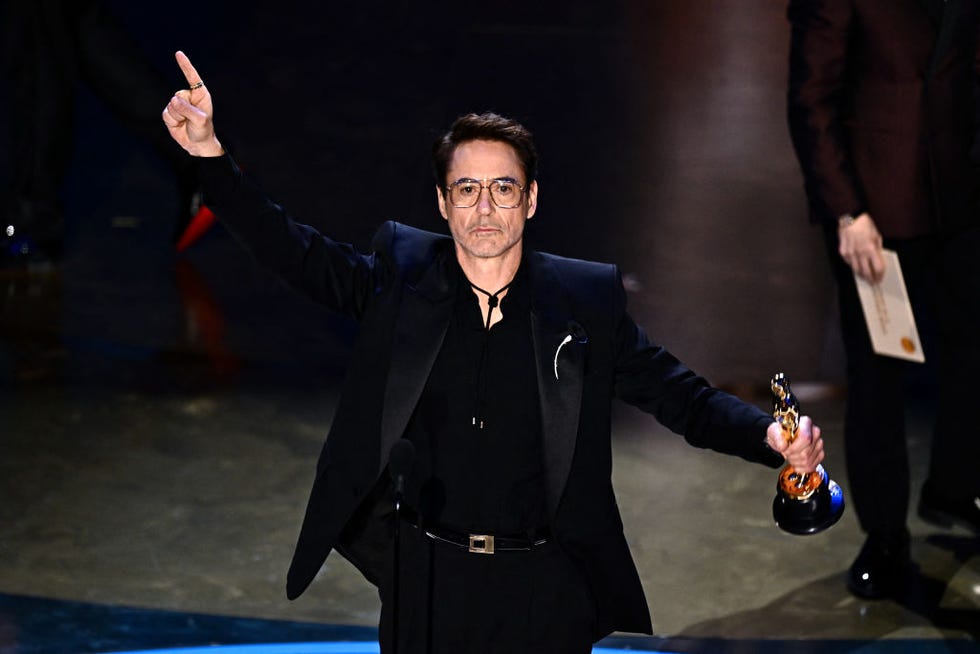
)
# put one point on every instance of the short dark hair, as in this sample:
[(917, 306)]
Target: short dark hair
[(487, 126)]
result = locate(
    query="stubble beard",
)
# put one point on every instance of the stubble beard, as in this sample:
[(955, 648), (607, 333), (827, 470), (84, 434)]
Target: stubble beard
[(487, 247)]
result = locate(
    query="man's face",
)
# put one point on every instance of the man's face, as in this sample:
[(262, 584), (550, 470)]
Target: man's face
[(486, 231)]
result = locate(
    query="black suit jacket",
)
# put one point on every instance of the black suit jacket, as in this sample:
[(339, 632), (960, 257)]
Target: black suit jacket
[(882, 111), (400, 294)]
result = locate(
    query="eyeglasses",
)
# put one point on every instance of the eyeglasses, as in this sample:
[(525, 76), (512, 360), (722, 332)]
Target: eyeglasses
[(505, 192)]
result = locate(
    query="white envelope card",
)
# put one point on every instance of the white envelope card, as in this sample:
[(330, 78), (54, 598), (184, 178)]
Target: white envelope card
[(888, 313)]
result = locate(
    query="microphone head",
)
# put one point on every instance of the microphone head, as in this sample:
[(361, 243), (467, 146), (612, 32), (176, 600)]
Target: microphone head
[(402, 458), (577, 332)]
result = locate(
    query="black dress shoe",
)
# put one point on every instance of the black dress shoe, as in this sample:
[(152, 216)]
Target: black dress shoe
[(881, 567), (944, 511)]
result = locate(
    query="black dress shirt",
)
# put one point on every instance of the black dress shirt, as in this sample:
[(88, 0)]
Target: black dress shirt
[(477, 427)]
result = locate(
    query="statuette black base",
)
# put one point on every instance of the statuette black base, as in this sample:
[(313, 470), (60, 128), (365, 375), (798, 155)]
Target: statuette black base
[(816, 513)]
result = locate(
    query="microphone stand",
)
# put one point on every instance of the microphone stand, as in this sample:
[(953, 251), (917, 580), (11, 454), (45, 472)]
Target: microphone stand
[(400, 462), (396, 568)]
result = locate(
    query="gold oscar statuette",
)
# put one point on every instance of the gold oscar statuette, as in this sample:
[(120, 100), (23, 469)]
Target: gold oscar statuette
[(805, 503)]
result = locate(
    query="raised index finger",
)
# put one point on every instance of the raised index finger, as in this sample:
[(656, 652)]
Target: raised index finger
[(188, 68)]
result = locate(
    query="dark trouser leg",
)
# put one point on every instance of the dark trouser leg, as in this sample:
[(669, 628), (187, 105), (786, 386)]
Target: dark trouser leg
[(954, 467), (455, 602), (414, 597), (874, 429)]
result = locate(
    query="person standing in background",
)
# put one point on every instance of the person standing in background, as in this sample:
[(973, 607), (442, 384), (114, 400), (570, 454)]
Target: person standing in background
[(882, 109), (47, 49)]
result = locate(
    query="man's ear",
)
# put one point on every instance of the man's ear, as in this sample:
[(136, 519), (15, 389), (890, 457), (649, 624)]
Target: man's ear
[(441, 201), (532, 199)]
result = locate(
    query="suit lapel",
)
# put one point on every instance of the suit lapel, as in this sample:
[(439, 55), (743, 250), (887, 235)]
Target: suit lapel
[(423, 318), (559, 349)]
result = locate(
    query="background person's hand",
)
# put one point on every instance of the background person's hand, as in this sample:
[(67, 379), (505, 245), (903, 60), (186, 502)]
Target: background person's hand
[(860, 247), (188, 115)]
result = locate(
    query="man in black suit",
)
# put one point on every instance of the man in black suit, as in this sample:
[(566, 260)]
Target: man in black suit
[(883, 114), (499, 364)]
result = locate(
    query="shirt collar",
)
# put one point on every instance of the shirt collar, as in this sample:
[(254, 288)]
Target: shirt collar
[(518, 293)]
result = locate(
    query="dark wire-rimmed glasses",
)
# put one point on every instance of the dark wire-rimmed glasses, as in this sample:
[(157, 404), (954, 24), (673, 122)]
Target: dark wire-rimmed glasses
[(505, 192)]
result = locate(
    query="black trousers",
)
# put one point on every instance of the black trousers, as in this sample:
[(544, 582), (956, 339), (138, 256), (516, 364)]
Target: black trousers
[(455, 602), (943, 279)]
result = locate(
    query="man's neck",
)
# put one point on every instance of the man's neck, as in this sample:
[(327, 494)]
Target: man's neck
[(490, 273)]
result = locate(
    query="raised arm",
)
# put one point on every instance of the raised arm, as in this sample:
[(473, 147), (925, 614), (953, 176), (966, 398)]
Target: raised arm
[(332, 273)]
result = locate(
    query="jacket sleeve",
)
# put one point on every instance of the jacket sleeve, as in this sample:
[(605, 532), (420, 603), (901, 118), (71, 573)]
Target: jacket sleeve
[(650, 378), (331, 273), (821, 33)]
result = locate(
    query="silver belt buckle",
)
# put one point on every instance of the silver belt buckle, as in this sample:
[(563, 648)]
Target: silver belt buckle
[(481, 544)]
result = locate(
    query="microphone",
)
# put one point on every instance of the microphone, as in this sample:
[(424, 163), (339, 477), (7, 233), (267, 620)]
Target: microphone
[(401, 460), (577, 332)]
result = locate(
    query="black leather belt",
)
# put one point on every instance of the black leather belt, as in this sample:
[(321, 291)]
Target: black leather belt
[(484, 543)]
